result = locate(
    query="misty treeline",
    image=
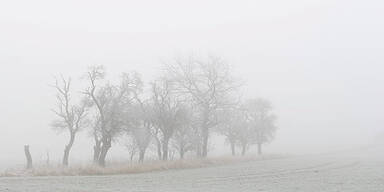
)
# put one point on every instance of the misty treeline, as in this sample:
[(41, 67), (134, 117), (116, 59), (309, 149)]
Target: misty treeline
[(177, 113)]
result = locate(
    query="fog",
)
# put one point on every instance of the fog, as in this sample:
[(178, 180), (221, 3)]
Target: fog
[(319, 62)]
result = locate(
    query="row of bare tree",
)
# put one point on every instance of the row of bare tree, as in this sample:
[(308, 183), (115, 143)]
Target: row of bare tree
[(192, 98)]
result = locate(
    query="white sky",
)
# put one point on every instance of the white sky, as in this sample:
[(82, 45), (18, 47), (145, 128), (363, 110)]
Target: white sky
[(320, 62)]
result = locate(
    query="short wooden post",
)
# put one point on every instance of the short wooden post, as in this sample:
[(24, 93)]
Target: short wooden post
[(28, 156)]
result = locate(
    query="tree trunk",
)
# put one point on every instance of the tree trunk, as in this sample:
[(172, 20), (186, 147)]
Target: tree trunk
[(106, 145), (68, 149), (28, 156), (244, 149), (233, 148), (198, 148), (132, 154), (165, 148), (96, 150), (259, 150), (158, 145), (47, 161), (171, 154), (205, 133), (182, 152), (141, 155), (203, 143)]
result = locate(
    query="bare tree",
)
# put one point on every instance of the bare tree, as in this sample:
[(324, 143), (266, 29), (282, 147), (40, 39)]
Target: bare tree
[(131, 146), (139, 126), (156, 134), (110, 101), (261, 120), (96, 134), (183, 140), (167, 111), (70, 117), (245, 136), (208, 83), (235, 127), (142, 135), (94, 75), (229, 127)]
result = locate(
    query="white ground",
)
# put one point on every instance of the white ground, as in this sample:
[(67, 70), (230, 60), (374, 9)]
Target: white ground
[(361, 171)]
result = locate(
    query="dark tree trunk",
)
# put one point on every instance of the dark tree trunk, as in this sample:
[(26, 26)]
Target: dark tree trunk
[(205, 133), (259, 148), (106, 145), (47, 161), (141, 155), (158, 144), (233, 148), (28, 156), (132, 154), (182, 152), (96, 150), (244, 149), (171, 154), (165, 148), (68, 148), (198, 148)]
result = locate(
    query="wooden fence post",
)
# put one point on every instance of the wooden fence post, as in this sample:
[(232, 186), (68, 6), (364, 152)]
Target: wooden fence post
[(28, 156)]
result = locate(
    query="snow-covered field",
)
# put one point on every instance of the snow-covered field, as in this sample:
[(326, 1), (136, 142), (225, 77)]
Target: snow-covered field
[(361, 170)]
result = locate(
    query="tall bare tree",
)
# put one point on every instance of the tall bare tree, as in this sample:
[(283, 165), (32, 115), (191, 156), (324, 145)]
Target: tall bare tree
[(168, 111), (96, 134), (70, 117), (110, 101), (208, 83)]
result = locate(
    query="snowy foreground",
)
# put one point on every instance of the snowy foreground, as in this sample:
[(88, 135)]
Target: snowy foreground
[(361, 170)]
